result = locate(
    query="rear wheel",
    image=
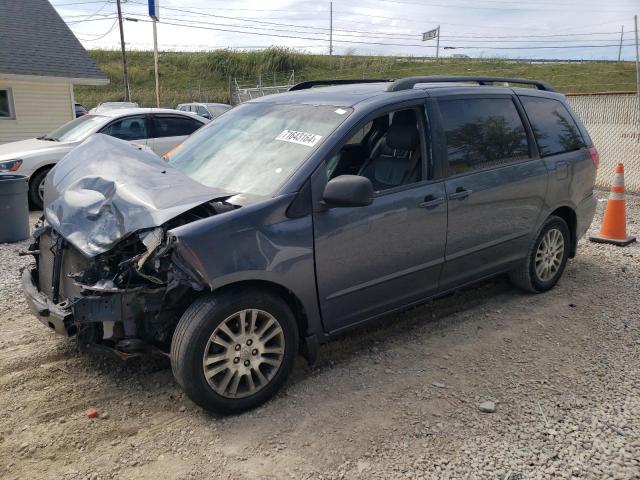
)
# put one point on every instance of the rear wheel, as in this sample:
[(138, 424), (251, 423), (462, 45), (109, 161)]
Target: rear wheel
[(233, 351), (36, 188), (546, 259)]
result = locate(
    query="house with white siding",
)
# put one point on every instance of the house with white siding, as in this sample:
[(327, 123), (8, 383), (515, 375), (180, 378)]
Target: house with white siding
[(40, 62)]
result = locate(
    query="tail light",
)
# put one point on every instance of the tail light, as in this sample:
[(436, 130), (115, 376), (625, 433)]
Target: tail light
[(595, 156)]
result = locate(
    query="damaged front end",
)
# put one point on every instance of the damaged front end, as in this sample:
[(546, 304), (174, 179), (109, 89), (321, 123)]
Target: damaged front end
[(128, 299), (105, 270)]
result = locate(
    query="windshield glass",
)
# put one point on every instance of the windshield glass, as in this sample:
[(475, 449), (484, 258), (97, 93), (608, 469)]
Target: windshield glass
[(77, 129), (255, 147)]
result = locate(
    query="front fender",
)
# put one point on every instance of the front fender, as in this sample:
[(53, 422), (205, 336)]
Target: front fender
[(257, 242)]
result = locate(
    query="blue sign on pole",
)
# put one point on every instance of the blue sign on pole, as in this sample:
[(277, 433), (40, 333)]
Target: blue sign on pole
[(154, 9)]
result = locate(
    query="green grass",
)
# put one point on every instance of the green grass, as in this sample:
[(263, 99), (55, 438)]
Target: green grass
[(204, 76)]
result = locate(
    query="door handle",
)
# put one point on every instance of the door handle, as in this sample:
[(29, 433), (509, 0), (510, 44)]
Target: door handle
[(431, 202), (460, 194)]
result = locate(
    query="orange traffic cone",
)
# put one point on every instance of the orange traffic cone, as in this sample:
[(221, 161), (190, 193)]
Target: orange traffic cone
[(614, 224)]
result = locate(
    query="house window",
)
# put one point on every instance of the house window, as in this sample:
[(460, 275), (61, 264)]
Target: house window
[(6, 104)]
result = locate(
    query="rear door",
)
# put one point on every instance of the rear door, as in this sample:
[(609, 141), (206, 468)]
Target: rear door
[(495, 185), (170, 130), (564, 149)]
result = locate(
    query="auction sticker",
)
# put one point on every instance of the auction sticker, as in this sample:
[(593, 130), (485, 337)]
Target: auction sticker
[(302, 138)]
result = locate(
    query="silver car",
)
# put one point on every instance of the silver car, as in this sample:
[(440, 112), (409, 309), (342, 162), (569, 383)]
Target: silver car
[(156, 129), (206, 110)]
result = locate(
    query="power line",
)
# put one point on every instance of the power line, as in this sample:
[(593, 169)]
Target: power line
[(378, 34), (502, 8), (105, 3), (280, 35), (101, 36), (78, 3), (73, 22), (351, 35)]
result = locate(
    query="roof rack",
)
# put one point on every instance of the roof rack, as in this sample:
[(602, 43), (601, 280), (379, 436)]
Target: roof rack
[(324, 83), (410, 82)]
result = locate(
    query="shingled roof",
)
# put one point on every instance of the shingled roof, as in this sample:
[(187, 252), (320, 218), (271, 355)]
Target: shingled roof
[(34, 40)]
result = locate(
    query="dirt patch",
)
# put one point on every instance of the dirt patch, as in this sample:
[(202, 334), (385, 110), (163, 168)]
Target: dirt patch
[(398, 399)]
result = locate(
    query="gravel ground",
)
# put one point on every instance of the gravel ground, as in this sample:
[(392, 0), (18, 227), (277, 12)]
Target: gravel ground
[(405, 398)]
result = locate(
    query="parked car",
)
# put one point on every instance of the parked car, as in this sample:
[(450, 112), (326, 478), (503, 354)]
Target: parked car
[(296, 216), (206, 110), (80, 110), (159, 129), (106, 106)]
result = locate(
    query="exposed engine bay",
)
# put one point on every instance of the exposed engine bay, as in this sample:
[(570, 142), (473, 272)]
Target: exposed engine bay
[(128, 299), (107, 267)]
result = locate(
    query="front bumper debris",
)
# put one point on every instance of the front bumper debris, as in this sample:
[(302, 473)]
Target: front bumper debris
[(55, 316)]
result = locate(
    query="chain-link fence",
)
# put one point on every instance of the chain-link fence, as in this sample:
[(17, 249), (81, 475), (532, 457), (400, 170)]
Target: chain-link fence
[(245, 89), (613, 121)]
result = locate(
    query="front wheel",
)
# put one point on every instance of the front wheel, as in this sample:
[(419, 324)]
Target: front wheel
[(233, 351), (36, 188), (546, 259)]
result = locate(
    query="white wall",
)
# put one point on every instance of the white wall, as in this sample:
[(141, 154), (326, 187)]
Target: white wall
[(40, 106)]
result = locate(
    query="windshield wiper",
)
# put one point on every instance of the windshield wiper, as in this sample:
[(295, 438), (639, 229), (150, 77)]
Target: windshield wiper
[(49, 139)]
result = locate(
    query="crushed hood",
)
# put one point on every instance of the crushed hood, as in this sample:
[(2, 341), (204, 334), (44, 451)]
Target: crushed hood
[(106, 189)]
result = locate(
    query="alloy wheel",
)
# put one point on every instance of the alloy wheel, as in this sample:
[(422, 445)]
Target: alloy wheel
[(549, 255), (243, 353)]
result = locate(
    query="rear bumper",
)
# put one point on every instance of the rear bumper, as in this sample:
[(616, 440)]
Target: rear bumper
[(53, 316), (585, 212)]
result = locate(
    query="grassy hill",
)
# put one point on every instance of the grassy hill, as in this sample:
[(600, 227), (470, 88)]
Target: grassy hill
[(205, 76)]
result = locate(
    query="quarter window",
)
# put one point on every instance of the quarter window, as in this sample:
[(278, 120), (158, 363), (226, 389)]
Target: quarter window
[(482, 133), (132, 128), (554, 128), (174, 126), (6, 104)]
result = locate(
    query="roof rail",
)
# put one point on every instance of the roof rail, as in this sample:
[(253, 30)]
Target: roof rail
[(410, 82), (325, 83)]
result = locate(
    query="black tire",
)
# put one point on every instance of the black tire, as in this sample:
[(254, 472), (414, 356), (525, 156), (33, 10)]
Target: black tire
[(191, 341), (525, 276), (34, 188)]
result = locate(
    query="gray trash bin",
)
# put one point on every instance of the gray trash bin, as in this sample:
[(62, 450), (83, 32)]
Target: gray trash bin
[(14, 208)]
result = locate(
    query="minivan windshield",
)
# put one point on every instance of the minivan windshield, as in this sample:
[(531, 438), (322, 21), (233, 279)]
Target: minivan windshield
[(255, 147), (77, 129)]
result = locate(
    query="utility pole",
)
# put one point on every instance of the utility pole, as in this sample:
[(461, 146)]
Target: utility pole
[(438, 43), (127, 93), (330, 28), (155, 59), (635, 22), (621, 37)]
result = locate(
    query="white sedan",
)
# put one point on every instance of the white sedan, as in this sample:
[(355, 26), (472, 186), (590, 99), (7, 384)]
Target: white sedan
[(157, 129)]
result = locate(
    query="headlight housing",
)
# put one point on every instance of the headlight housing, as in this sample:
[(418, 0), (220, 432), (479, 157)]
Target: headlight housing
[(10, 165)]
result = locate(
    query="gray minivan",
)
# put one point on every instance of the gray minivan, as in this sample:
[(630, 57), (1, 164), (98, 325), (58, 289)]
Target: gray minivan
[(295, 216)]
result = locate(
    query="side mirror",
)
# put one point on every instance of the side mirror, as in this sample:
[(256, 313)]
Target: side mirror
[(207, 115), (348, 191)]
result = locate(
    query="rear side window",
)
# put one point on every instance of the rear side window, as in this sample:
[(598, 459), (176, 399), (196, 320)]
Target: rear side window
[(167, 126), (131, 128), (554, 128), (482, 133)]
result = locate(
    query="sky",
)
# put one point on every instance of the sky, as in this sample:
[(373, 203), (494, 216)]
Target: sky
[(568, 29)]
